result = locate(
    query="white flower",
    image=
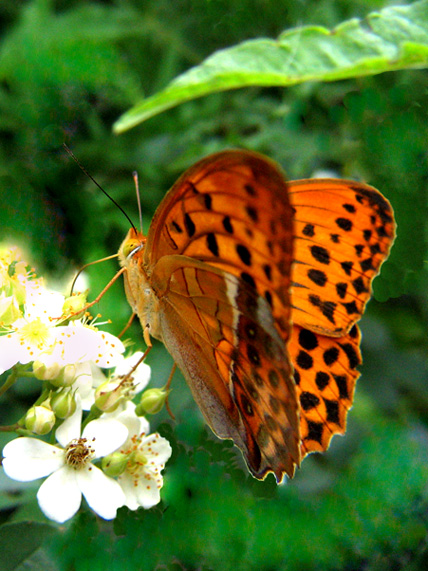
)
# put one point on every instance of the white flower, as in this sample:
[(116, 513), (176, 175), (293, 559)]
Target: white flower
[(39, 340), (142, 479), (69, 467)]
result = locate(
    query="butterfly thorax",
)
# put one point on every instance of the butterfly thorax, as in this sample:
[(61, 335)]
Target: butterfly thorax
[(139, 292)]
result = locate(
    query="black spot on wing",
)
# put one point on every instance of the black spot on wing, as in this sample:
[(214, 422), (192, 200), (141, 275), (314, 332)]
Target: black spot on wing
[(189, 225), (308, 400), (244, 254), (344, 224), (320, 254), (347, 267), (315, 431), (308, 230), (352, 355), (341, 288), (307, 339), (342, 385), (332, 408), (208, 201), (212, 243), (318, 277), (304, 360), (177, 227), (330, 356), (227, 225), (321, 380), (252, 213)]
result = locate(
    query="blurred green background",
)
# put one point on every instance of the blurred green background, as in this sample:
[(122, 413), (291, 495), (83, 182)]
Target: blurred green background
[(68, 69)]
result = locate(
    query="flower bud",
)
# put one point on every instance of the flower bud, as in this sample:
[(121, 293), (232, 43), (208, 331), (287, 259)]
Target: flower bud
[(40, 420), (74, 305), (114, 464), (45, 372), (108, 396), (65, 377), (151, 402), (63, 403)]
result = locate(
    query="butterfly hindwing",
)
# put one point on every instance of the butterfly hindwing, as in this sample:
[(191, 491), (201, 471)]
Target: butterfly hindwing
[(343, 233), (325, 376), (234, 330)]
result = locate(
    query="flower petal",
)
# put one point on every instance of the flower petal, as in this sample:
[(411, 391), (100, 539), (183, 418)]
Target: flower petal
[(127, 484), (59, 496), (27, 459), (103, 494), (70, 428), (98, 377), (146, 493), (157, 449), (110, 349), (10, 351), (83, 384), (74, 343), (105, 435), (43, 304), (125, 414)]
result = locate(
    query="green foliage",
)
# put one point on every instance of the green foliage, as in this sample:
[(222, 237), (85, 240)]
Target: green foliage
[(367, 518), (68, 70), (19, 542), (395, 38)]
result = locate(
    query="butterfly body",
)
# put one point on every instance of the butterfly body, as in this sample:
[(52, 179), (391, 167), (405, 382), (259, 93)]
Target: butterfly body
[(268, 348)]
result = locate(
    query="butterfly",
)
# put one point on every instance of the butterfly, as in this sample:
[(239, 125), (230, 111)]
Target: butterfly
[(255, 285)]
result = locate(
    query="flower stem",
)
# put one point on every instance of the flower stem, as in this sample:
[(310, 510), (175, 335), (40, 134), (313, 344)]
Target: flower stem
[(10, 428), (9, 381), (94, 413)]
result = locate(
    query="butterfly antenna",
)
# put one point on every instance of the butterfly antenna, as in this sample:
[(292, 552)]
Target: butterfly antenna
[(88, 174), (137, 189)]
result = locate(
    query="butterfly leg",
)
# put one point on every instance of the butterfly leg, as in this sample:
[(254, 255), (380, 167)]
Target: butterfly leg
[(168, 384), (99, 296), (127, 326), (146, 335), (137, 364)]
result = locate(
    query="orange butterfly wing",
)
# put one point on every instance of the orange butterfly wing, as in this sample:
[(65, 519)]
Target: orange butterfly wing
[(213, 282), (343, 232)]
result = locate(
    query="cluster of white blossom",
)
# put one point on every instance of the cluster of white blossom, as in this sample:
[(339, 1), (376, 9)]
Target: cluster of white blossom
[(104, 449)]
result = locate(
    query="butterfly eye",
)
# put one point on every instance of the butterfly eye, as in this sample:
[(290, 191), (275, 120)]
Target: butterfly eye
[(130, 247)]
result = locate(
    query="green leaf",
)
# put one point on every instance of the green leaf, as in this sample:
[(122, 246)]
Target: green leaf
[(391, 39), (19, 541)]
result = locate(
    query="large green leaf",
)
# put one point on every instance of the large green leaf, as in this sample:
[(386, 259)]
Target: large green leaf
[(391, 39)]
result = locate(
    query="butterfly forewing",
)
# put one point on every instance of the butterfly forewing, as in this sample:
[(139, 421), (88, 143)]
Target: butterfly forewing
[(231, 213)]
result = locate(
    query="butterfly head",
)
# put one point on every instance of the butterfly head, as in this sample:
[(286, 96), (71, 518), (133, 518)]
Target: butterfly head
[(132, 245)]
